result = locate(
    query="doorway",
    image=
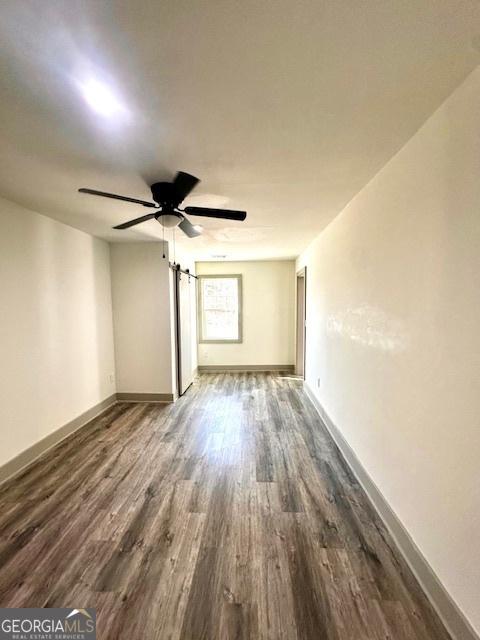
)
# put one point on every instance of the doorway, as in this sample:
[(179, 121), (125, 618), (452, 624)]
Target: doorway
[(301, 322)]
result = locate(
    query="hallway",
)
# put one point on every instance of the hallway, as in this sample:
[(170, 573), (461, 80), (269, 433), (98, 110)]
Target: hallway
[(228, 514)]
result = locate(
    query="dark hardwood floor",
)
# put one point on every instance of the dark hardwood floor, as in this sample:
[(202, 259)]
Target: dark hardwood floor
[(228, 515)]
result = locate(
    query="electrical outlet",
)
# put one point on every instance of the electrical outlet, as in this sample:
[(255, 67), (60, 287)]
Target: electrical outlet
[(111, 377)]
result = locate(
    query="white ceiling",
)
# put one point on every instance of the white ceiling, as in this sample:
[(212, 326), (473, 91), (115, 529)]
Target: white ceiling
[(285, 109)]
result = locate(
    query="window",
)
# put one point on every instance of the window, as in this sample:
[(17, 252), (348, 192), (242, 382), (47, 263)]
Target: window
[(220, 308)]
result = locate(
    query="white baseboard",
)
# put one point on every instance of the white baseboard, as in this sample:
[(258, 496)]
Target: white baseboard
[(245, 367), (448, 611), (144, 397), (25, 458)]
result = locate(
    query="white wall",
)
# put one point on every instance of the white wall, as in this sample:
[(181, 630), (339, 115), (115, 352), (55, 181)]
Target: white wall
[(268, 314), (56, 340), (393, 333), (141, 295)]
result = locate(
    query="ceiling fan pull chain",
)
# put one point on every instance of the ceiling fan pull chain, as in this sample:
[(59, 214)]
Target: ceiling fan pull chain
[(163, 240)]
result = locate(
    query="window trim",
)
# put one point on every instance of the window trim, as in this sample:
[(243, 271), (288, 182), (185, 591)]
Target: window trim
[(238, 276)]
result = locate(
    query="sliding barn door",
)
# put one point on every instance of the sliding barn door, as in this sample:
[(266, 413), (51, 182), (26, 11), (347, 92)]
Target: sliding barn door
[(185, 290)]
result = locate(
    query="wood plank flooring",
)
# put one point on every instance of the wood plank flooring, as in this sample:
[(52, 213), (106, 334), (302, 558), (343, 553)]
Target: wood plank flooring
[(227, 515)]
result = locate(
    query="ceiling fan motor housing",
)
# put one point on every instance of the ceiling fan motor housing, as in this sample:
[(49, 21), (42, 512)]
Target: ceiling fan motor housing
[(164, 194)]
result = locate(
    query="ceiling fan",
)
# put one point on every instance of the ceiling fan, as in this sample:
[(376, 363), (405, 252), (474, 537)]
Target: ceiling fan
[(167, 197)]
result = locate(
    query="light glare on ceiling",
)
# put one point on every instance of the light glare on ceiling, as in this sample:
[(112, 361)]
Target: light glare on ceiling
[(101, 98), (198, 227)]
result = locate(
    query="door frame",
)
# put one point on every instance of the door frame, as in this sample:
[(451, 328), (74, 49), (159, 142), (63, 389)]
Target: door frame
[(176, 319), (177, 273), (300, 345)]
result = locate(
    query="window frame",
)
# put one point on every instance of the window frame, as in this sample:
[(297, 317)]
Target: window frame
[(205, 276)]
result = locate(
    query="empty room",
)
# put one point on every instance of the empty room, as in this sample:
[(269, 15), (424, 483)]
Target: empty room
[(239, 320)]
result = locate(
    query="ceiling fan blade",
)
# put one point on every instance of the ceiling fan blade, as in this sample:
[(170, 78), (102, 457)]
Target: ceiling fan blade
[(183, 184), (131, 223), (226, 214), (93, 192), (188, 229)]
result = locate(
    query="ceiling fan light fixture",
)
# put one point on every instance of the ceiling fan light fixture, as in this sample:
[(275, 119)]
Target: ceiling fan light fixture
[(169, 220)]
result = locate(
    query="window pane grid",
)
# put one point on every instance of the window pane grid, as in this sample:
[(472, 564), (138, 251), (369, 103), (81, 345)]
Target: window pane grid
[(220, 308)]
